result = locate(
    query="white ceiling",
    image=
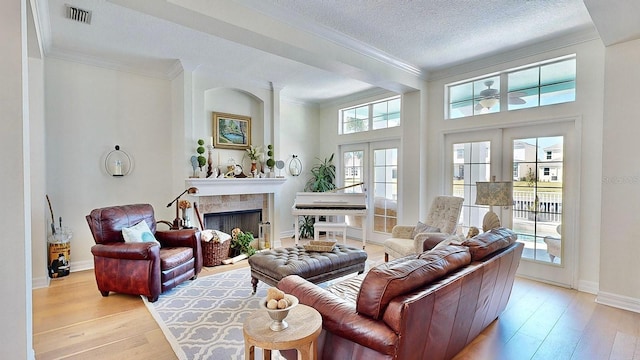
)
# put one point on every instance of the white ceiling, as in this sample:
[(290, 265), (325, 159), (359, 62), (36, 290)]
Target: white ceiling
[(316, 50)]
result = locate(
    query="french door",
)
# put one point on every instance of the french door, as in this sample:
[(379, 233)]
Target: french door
[(542, 161), (374, 164)]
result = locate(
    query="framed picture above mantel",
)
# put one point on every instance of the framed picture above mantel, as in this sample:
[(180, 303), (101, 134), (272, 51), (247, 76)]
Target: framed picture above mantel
[(231, 131)]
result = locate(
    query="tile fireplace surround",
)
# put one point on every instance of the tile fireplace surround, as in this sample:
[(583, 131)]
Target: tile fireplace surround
[(228, 195)]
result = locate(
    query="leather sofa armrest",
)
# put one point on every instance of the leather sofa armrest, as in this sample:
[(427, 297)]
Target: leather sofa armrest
[(183, 238), (340, 317), (402, 231), (178, 238), (426, 241), (128, 251)]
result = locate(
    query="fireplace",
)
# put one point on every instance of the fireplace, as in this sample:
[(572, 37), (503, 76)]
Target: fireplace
[(246, 220), (224, 196)]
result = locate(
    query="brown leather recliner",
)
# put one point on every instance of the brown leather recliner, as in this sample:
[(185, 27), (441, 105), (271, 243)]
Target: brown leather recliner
[(141, 268)]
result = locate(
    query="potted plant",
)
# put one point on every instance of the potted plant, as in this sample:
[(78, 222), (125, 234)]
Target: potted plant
[(270, 162), (255, 154), (241, 242), (202, 161), (323, 178)]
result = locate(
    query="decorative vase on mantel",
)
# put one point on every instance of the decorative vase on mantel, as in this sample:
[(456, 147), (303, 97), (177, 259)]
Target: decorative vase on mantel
[(254, 168)]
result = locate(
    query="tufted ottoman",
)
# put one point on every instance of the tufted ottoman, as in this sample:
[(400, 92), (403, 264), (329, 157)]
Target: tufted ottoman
[(272, 265)]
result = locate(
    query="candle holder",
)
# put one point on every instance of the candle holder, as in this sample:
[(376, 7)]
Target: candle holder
[(118, 163)]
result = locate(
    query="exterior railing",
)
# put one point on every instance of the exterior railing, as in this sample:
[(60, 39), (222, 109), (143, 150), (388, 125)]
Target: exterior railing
[(548, 207)]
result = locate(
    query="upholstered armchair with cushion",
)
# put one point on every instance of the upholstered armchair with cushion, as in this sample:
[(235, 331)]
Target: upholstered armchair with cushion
[(441, 222), (132, 257)]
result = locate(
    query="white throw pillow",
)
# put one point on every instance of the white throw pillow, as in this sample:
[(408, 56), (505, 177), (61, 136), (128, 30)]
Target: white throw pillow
[(423, 228), (139, 232)]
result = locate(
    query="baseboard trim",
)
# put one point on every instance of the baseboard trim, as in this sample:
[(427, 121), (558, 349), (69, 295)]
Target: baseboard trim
[(590, 287), (43, 282), (81, 265), (618, 301), (40, 282)]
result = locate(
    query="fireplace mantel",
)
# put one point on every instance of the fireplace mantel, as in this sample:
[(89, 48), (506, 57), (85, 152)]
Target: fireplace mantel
[(235, 186)]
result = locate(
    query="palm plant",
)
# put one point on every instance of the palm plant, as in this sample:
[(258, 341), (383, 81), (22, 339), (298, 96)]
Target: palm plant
[(323, 178)]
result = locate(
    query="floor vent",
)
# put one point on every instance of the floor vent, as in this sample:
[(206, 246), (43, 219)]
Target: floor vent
[(77, 14)]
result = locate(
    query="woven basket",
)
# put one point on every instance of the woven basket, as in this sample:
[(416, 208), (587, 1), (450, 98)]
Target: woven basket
[(317, 245), (214, 252)]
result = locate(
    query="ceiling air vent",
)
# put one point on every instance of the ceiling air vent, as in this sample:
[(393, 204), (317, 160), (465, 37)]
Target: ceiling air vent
[(77, 14)]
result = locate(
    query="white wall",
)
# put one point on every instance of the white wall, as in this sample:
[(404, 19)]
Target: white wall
[(39, 212), (588, 107), (16, 336), (235, 102), (299, 136), (89, 110), (619, 251)]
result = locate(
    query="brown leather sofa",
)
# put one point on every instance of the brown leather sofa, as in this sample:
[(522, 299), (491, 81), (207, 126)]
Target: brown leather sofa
[(425, 306), (141, 268)]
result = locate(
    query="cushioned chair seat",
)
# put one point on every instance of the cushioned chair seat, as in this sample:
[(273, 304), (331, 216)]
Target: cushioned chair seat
[(173, 257), (398, 247)]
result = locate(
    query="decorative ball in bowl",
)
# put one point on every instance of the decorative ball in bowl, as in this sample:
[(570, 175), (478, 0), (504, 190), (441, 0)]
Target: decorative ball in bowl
[(278, 315)]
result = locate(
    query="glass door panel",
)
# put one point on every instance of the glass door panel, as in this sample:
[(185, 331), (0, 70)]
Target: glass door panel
[(385, 189), (376, 165), (537, 196), (544, 165)]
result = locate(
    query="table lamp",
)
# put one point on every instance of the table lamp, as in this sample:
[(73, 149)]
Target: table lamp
[(498, 193), (177, 222)]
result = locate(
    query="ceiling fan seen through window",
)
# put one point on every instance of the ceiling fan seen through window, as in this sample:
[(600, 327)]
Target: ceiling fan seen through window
[(489, 97)]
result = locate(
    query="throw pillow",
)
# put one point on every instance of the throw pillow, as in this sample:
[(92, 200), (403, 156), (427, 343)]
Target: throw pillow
[(139, 232), (450, 240), (489, 242), (423, 228)]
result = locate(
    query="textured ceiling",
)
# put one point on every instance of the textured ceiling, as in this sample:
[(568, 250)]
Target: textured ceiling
[(315, 50), (441, 33)]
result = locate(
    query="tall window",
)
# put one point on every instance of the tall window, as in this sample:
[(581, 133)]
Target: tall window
[(385, 189), (552, 82), (372, 116), (474, 165), (537, 197), (353, 170)]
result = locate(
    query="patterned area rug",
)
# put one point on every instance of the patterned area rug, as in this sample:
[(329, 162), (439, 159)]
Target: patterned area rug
[(202, 319)]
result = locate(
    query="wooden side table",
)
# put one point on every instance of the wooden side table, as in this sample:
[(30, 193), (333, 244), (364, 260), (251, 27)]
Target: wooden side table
[(305, 324)]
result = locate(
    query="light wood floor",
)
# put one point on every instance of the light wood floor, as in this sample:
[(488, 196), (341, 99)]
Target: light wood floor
[(71, 320)]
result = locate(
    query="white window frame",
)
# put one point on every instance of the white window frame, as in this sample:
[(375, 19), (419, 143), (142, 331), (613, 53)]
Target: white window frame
[(370, 119), (502, 100)]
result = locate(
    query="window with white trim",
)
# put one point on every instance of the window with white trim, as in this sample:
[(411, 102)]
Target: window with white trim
[(540, 84), (371, 116)]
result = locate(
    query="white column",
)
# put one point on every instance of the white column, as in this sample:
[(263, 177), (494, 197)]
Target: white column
[(16, 336)]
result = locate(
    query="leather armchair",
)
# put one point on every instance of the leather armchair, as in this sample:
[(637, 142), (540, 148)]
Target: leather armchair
[(141, 268)]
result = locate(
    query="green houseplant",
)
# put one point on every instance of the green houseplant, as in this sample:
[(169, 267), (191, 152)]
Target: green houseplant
[(323, 178), (242, 243)]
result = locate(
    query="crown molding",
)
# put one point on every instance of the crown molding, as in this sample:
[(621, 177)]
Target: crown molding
[(574, 38), (176, 69)]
